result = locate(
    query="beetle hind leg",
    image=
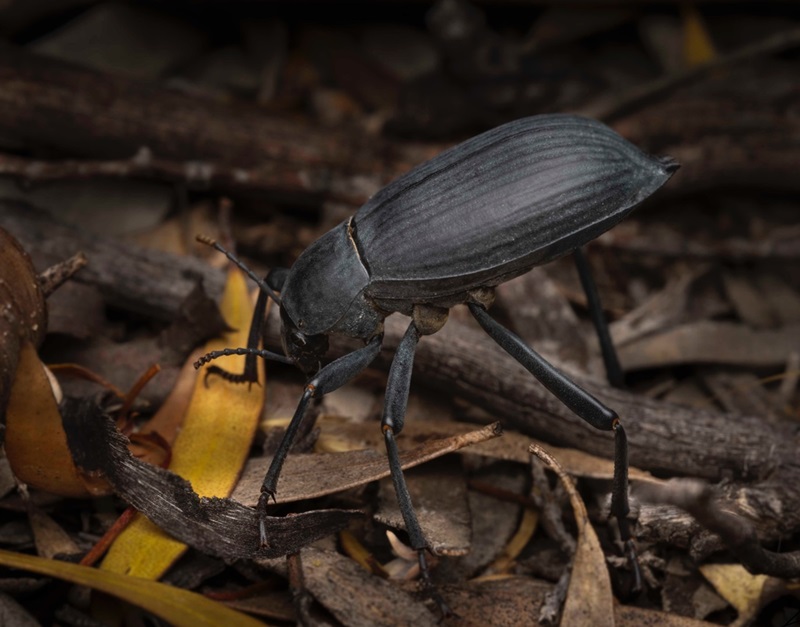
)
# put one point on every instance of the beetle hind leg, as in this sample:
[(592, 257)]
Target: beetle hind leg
[(614, 372), (586, 407)]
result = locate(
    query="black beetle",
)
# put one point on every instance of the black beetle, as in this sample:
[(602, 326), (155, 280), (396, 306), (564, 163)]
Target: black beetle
[(446, 233)]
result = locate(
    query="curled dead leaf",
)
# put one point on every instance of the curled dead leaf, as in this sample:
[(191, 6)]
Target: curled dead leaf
[(589, 598), (23, 313), (36, 440)]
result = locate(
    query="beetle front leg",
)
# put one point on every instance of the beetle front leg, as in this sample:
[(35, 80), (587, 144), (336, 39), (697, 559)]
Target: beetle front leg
[(614, 372), (328, 379), (394, 412), (586, 407)]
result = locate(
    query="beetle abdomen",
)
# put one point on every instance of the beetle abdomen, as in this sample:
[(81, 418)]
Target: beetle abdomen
[(500, 203)]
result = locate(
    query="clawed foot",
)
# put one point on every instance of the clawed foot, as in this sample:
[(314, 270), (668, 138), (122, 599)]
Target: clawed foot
[(261, 508), (430, 589)]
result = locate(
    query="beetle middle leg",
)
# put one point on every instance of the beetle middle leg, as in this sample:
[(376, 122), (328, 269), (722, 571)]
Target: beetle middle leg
[(586, 407), (395, 403)]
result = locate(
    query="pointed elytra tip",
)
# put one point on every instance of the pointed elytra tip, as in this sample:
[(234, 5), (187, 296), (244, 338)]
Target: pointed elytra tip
[(669, 164)]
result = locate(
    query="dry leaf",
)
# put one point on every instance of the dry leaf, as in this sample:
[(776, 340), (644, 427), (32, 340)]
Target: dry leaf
[(512, 447), (527, 527), (24, 315), (710, 341), (439, 494), (210, 449), (180, 607), (313, 475), (589, 599), (357, 598), (738, 587), (697, 45), (36, 442)]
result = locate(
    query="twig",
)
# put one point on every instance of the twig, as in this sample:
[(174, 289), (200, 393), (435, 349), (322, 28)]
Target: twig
[(739, 535), (613, 107)]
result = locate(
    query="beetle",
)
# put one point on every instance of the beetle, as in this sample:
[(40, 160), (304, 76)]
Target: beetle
[(446, 233)]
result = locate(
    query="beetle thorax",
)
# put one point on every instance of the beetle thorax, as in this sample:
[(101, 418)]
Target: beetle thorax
[(324, 292)]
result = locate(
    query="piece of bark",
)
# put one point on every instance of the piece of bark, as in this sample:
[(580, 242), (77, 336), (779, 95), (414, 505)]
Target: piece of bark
[(81, 112), (715, 132), (148, 282), (220, 527)]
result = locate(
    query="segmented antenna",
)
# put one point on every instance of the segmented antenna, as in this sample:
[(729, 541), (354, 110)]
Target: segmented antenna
[(225, 352), (208, 241)]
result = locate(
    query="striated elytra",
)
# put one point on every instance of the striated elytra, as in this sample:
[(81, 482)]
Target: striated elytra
[(445, 233), (476, 215)]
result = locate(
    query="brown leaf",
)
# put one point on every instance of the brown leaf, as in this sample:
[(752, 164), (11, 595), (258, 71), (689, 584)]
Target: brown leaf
[(358, 598), (439, 494), (24, 313), (36, 436), (313, 475)]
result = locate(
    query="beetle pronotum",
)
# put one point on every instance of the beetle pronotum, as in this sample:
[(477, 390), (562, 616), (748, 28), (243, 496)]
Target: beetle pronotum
[(447, 233)]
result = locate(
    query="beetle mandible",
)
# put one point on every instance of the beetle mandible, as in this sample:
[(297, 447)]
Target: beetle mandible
[(446, 233)]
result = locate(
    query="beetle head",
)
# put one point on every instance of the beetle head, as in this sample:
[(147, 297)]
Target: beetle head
[(306, 351)]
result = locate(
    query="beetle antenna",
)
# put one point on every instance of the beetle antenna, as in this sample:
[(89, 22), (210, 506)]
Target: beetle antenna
[(225, 352), (208, 241)]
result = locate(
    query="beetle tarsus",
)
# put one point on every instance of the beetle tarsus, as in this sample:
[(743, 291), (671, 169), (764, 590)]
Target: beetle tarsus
[(430, 589), (261, 508)]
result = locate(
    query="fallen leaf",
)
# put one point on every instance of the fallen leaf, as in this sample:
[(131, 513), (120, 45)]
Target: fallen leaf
[(589, 598), (180, 607), (743, 590), (513, 446), (211, 448), (24, 317), (439, 494), (357, 598), (697, 45), (527, 527), (36, 442), (308, 476)]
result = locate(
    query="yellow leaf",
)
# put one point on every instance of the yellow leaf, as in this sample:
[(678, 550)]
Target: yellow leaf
[(697, 45), (210, 449), (35, 441), (179, 607), (738, 587), (504, 563)]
